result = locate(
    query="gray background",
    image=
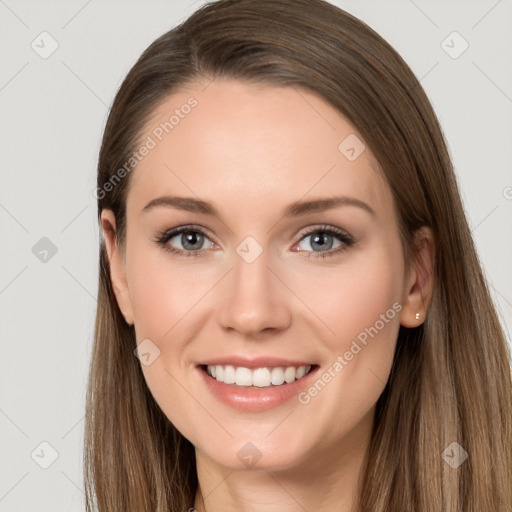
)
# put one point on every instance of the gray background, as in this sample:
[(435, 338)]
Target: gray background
[(53, 111)]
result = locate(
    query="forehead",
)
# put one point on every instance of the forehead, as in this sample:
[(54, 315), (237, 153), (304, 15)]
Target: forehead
[(244, 145)]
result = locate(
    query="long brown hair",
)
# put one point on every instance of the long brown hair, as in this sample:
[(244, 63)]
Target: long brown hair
[(451, 378)]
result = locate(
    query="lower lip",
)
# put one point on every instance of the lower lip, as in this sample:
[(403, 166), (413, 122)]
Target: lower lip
[(252, 399)]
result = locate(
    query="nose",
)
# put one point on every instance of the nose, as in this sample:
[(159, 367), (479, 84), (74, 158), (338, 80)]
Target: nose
[(253, 300)]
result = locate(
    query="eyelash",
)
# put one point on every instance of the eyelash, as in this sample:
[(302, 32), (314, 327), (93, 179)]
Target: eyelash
[(162, 237)]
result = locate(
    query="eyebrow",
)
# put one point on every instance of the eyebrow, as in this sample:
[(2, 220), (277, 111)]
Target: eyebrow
[(296, 209)]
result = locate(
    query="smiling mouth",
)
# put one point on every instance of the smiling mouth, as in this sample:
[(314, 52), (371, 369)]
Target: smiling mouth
[(257, 378)]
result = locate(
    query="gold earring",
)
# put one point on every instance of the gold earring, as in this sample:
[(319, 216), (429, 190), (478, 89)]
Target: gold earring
[(417, 316)]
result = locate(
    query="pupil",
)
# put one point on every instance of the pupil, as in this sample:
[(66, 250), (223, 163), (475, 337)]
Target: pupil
[(191, 239), (323, 244)]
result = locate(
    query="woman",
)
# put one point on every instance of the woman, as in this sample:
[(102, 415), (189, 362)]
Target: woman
[(291, 313)]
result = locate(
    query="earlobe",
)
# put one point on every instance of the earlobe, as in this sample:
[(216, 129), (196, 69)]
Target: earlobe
[(117, 267), (419, 284)]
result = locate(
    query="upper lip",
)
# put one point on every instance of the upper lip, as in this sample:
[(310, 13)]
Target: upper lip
[(254, 362)]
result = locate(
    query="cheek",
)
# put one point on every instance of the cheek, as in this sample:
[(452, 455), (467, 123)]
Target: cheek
[(163, 297), (352, 296), (162, 293), (361, 307)]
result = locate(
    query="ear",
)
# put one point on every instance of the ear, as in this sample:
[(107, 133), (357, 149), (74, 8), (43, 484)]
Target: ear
[(117, 266), (419, 282)]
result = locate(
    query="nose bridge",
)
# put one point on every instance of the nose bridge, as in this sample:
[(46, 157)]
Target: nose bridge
[(253, 298)]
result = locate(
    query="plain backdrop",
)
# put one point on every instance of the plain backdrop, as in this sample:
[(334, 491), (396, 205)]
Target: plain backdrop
[(52, 112)]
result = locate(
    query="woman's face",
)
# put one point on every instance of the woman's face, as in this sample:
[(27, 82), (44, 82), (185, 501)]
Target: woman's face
[(281, 275)]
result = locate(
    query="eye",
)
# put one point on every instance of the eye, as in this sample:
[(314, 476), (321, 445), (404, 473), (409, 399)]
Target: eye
[(189, 241), (321, 242), (184, 241)]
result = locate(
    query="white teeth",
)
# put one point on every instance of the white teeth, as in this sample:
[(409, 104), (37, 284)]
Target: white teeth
[(243, 377), (289, 374), (259, 377), (300, 372), (229, 374), (277, 376)]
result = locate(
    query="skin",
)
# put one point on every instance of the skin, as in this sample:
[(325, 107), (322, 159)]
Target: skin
[(252, 150)]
